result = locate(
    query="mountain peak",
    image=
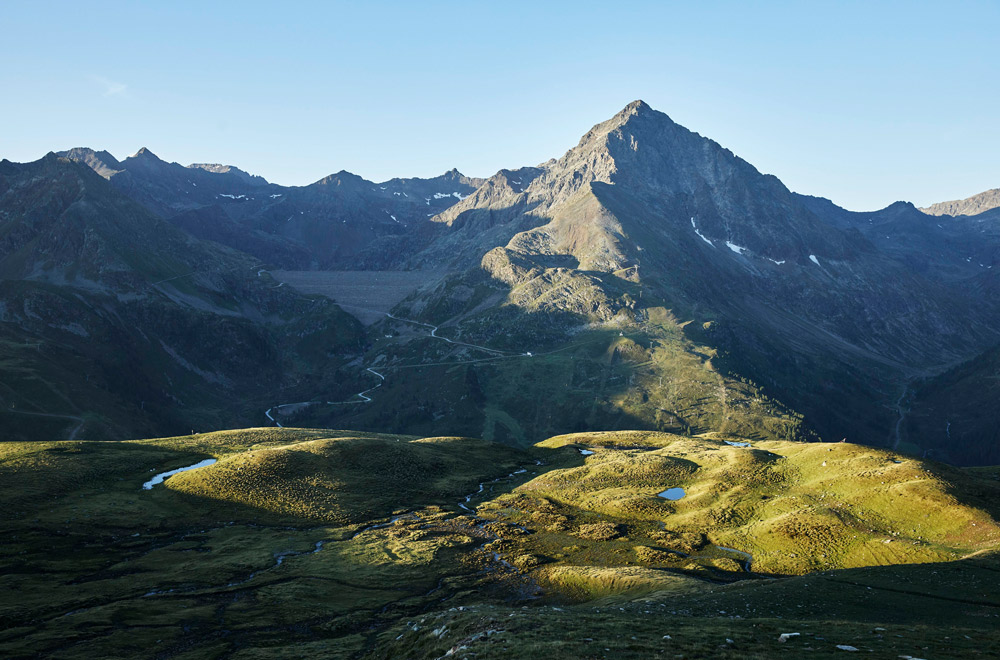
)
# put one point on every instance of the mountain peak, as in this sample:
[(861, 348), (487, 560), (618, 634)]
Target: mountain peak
[(218, 168), (340, 178), (636, 116), (636, 107), (100, 161), (145, 154)]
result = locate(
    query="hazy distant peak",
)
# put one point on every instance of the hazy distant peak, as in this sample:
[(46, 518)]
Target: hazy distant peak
[(974, 205), (217, 168), (214, 168), (340, 178), (101, 162), (79, 153), (454, 175), (144, 152)]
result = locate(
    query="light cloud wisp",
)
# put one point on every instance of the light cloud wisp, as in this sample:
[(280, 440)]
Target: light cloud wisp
[(111, 88)]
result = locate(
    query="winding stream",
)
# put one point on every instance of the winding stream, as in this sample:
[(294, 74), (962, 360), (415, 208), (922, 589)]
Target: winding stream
[(902, 412), (158, 479), (747, 557)]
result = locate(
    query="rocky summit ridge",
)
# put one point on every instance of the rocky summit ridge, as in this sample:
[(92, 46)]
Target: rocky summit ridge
[(981, 203)]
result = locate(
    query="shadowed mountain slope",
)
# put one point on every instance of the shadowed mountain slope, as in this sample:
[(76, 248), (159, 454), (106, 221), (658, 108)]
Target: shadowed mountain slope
[(116, 323), (814, 310)]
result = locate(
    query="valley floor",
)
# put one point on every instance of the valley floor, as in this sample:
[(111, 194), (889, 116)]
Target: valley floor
[(366, 294)]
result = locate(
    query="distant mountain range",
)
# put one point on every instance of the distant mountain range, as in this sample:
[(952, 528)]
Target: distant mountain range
[(341, 221), (666, 283)]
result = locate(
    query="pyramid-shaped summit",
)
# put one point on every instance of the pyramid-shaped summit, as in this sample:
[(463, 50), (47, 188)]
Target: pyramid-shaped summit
[(642, 168)]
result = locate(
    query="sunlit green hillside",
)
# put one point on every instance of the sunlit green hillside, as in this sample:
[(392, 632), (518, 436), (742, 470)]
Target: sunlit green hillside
[(294, 542)]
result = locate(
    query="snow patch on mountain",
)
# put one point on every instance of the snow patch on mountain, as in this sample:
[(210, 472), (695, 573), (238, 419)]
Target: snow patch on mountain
[(700, 235)]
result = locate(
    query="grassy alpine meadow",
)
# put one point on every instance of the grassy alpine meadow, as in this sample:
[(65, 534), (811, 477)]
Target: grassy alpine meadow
[(289, 533), (788, 508), (298, 542)]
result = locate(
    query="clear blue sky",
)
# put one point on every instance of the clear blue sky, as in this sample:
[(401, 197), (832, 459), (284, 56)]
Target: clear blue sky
[(862, 102)]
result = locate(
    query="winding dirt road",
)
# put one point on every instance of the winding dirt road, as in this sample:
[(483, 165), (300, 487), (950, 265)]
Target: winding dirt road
[(362, 396)]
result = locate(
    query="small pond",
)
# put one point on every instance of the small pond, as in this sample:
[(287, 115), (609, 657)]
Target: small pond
[(672, 494)]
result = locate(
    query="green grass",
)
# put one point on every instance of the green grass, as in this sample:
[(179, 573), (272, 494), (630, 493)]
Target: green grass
[(271, 553), (796, 507), (93, 566), (623, 375), (698, 627)]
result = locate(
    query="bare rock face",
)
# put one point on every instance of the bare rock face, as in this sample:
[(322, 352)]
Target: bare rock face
[(216, 168), (984, 201)]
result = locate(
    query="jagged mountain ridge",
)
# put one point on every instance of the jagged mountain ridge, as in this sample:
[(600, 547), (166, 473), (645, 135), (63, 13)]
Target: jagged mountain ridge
[(646, 152), (703, 207), (980, 203), (955, 250), (336, 222)]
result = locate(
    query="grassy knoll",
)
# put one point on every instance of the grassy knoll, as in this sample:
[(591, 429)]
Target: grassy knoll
[(795, 507)]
